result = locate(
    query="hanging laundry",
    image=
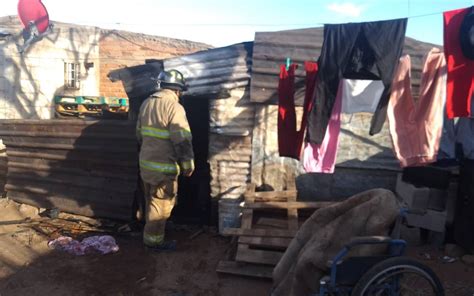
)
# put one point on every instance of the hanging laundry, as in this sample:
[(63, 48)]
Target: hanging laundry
[(355, 51), (416, 128), (361, 95), (286, 111), (459, 51), (290, 141), (321, 158), (447, 145), (457, 140)]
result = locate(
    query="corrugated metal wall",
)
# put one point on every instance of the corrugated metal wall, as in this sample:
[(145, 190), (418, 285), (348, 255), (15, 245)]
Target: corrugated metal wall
[(272, 48), (214, 71), (222, 75), (81, 167)]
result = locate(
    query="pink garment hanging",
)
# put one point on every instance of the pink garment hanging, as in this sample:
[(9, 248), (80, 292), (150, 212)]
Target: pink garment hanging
[(416, 128), (321, 158)]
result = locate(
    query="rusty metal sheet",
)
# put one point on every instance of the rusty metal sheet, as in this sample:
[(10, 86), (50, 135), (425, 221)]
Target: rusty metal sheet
[(82, 167), (216, 70)]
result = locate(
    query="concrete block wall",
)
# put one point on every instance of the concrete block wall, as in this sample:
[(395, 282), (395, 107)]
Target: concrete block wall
[(119, 49)]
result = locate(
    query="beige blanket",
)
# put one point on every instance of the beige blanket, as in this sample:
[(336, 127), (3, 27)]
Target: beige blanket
[(368, 213)]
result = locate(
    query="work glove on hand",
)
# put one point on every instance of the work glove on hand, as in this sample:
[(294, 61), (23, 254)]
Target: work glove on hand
[(187, 168), (187, 172)]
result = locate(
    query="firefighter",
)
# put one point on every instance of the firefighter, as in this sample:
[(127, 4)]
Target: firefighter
[(166, 151)]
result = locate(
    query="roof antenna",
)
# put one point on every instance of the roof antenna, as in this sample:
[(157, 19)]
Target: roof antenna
[(35, 19)]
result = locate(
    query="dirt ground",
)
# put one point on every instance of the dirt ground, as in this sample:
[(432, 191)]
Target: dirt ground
[(28, 267)]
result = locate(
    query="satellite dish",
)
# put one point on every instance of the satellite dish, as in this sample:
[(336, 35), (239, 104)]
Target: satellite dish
[(33, 12), (35, 19)]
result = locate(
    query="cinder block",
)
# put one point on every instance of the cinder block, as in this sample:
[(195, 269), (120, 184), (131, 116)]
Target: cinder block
[(437, 199), (416, 198), (432, 220)]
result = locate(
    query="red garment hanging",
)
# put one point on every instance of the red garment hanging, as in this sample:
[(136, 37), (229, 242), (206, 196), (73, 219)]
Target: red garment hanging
[(290, 141), (460, 86)]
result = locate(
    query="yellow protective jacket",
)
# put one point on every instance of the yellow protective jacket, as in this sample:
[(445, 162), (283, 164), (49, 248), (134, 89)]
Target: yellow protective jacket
[(165, 137)]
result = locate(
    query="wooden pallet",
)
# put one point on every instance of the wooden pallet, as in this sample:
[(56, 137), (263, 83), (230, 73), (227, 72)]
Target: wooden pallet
[(263, 240)]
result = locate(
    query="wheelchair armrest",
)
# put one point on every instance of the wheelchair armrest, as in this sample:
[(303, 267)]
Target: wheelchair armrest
[(406, 211), (368, 240), (396, 246)]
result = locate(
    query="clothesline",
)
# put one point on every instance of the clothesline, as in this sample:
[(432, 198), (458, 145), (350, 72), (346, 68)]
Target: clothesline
[(342, 56), (240, 24)]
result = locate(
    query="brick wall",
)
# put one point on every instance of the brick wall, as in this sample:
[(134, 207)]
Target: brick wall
[(119, 49)]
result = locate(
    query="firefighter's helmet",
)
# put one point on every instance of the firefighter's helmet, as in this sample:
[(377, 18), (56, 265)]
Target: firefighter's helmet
[(172, 79)]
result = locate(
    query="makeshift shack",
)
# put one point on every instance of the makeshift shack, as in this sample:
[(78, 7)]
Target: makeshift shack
[(238, 84)]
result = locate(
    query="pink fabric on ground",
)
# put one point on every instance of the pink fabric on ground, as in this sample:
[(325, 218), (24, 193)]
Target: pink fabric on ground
[(104, 244), (416, 128), (321, 158)]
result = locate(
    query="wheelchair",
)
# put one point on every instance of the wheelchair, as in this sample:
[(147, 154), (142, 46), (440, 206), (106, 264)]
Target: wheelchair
[(391, 274)]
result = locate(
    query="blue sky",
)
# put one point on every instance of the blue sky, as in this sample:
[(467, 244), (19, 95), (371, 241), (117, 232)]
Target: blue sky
[(220, 22)]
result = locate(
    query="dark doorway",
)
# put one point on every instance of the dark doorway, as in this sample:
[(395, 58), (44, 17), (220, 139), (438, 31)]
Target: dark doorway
[(194, 195)]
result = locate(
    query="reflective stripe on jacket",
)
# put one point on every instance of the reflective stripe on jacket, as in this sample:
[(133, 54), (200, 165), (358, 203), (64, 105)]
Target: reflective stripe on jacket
[(165, 137)]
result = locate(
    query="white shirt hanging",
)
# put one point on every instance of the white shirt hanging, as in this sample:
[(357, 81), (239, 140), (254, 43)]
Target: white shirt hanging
[(361, 95)]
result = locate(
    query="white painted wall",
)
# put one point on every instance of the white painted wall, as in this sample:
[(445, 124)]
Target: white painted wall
[(29, 82)]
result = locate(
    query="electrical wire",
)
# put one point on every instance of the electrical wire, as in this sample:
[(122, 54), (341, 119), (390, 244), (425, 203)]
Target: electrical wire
[(237, 24), (203, 24)]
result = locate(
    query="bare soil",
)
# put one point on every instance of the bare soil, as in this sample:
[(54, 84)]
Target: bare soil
[(28, 267)]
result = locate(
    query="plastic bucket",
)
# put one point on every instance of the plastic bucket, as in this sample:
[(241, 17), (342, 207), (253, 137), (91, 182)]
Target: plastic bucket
[(229, 213)]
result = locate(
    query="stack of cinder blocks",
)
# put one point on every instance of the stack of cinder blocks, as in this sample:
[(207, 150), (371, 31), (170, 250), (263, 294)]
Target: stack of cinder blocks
[(434, 207)]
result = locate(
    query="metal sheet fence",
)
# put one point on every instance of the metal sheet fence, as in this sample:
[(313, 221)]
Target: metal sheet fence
[(81, 167)]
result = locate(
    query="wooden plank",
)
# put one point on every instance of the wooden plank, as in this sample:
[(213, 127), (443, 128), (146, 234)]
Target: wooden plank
[(272, 222), (247, 217), (259, 232), (259, 256), (265, 199), (249, 194), (291, 182), (275, 194), (247, 214), (293, 219), (288, 205), (293, 216), (245, 269), (266, 242)]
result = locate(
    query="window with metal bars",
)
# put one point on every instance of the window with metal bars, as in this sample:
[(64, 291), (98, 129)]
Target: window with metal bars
[(72, 75)]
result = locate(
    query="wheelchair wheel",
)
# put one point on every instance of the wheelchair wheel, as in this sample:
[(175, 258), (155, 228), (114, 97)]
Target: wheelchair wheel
[(400, 276)]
